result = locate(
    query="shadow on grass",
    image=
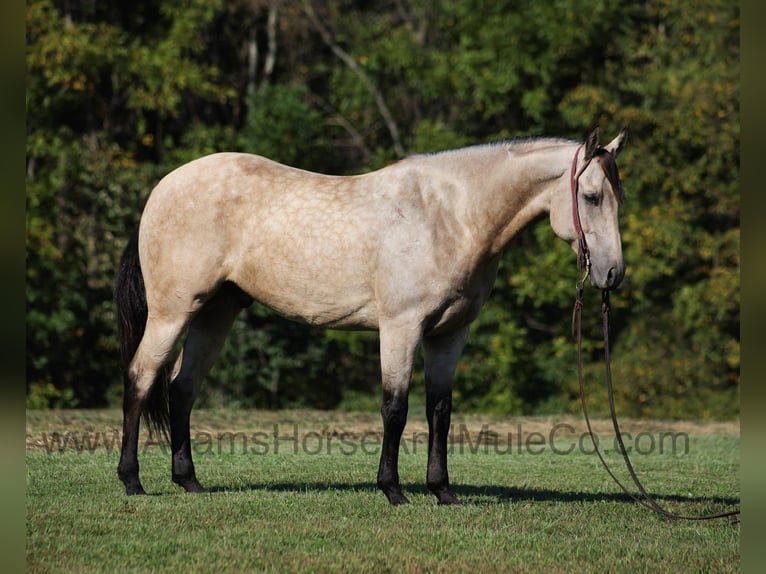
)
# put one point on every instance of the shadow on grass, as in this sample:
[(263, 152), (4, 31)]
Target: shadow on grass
[(478, 495)]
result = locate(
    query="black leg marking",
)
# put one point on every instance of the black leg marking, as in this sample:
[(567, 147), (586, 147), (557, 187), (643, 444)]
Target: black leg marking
[(207, 333), (183, 472), (438, 411), (394, 414), (441, 357), (127, 469)]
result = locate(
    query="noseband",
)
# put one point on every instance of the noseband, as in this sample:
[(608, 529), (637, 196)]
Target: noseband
[(583, 265)]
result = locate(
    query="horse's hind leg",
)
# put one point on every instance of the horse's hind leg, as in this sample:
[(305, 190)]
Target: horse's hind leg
[(156, 344), (441, 358), (207, 334)]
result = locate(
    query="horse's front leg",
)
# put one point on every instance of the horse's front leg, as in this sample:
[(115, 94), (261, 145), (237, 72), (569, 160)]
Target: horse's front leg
[(397, 351), (441, 357)]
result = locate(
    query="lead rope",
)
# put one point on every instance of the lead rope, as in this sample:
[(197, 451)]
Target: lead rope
[(647, 499)]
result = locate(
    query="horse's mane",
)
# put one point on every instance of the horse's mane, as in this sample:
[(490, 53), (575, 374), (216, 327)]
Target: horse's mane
[(516, 144), (528, 144)]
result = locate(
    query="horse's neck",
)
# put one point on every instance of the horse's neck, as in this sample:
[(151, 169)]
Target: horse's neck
[(516, 190)]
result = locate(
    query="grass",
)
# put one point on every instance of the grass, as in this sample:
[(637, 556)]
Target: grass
[(298, 504)]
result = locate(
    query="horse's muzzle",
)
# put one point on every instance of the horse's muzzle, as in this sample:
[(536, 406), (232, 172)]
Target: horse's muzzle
[(608, 280)]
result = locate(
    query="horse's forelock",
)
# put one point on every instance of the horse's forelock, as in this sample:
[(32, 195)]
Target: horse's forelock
[(609, 165)]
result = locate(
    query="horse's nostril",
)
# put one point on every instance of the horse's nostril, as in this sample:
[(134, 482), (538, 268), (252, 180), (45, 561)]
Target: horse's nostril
[(614, 277)]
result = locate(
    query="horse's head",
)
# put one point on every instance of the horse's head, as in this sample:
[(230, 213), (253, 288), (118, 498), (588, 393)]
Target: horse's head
[(595, 185)]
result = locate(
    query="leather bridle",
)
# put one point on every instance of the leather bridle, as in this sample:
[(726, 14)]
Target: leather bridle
[(583, 255), (583, 264)]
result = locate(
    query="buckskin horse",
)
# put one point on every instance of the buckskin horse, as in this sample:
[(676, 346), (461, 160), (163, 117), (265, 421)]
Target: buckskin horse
[(410, 250)]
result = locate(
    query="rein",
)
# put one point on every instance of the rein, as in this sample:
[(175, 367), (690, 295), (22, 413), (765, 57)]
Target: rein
[(583, 264)]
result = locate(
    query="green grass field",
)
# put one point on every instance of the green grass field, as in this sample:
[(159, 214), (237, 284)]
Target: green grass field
[(294, 491)]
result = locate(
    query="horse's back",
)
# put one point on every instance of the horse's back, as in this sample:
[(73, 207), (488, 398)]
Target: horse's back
[(230, 194), (300, 242)]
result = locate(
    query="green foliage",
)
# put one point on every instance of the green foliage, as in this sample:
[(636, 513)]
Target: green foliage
[(117, 97), (270, 362), (684, 229), (274, 112), (46, 395)]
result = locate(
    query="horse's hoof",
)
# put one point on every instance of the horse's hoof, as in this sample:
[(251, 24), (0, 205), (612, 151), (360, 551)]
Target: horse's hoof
[(196, 488), (191, 485), (134, 489), (447, 498), (396, 498)]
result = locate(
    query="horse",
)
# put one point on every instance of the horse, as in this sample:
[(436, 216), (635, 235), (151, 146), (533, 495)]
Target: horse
[(410, 250)]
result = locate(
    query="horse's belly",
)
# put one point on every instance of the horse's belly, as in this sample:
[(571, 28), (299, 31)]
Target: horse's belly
[(328, 302), (333, 316), (330, 316)]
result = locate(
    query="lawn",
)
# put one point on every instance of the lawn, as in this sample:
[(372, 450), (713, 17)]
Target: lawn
[(294, 491)]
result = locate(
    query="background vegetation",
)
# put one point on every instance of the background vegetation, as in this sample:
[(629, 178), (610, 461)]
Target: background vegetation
[(117, 96)]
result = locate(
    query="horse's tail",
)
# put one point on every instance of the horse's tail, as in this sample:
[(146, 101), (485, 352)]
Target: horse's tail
[(132, 313)]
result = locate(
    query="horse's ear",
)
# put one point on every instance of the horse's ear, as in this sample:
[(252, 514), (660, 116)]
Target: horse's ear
[(591, 144), (615, 146)]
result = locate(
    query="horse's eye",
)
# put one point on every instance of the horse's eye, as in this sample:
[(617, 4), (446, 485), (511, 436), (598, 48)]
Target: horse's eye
[(593, 198)]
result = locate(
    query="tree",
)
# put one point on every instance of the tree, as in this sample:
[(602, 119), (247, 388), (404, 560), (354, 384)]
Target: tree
[(677, 75), (100, 102), (118, 96)]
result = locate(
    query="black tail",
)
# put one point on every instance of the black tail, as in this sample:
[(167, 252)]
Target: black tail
[(130, 297)]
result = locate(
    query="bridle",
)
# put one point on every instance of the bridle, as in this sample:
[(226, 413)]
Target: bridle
[(583, 265), (583, 254)]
